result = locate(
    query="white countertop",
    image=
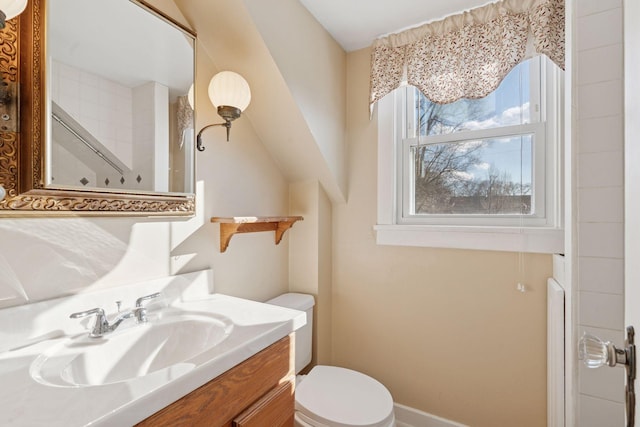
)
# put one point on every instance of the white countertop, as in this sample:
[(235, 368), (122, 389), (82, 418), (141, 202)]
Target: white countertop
[(26, 402)]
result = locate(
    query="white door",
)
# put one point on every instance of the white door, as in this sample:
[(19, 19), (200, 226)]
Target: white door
[(632, 167)]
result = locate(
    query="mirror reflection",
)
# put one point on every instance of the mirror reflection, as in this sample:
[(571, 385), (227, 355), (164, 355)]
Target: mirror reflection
[(119, 117)]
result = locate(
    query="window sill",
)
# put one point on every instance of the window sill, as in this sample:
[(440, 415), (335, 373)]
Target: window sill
[(512, 239)]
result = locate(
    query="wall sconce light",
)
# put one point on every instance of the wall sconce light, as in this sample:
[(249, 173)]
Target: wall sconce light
[(10, 9), (229, 92)]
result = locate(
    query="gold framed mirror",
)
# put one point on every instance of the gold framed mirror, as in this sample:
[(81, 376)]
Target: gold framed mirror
[(26, 154)]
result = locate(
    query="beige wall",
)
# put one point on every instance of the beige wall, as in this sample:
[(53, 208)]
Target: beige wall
[(310, 260), (48, 257), (445, 330)]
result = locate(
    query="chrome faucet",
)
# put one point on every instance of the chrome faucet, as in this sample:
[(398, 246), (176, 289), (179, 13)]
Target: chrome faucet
[(102, 325), (140, 311)]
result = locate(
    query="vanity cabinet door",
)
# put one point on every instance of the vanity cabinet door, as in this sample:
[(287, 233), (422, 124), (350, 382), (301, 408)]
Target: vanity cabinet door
[(275, 409), (267, 376)]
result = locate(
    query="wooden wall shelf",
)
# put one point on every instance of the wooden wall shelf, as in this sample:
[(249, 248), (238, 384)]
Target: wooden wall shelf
[(251, 224)]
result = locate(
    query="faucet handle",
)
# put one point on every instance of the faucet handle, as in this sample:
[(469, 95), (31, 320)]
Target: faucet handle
[(140, 311), (100, 326), (140, 300), (98, 311)]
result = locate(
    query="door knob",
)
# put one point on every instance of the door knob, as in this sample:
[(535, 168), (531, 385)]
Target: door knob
[(596, 353)]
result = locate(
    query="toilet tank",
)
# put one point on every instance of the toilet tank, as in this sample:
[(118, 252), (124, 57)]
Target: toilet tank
[(302, 302)]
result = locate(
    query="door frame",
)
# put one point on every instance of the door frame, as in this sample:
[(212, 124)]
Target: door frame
[(631, 9)]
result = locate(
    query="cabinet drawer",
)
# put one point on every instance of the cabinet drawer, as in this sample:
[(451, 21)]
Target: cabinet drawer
[(275, 409)]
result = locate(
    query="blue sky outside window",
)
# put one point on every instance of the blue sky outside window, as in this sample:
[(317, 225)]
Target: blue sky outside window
[(468, 174)]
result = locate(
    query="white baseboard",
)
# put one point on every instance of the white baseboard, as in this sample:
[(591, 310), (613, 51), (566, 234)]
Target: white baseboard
[(409, 417)]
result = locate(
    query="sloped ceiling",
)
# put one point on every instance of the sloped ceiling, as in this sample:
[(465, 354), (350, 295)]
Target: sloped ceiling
[(228, 34)]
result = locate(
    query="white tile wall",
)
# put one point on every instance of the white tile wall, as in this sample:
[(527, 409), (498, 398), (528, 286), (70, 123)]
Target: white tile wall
[(604, 169), (602, 383), (599, 29), (601, 204), (600, 201), (601, 311), (106, 109), (589, 7), (600, 99), (602, 239), (102, 107), (69, 169), (602, 275), (598, 412), (589, 69), (598, 130)]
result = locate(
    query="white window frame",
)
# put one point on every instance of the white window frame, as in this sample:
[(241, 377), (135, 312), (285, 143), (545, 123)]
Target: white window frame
[(542, 232)]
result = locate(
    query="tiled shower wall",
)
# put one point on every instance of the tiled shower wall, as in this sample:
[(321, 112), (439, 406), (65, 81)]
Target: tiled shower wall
[(103, 107), (116, 116), (600, 188)]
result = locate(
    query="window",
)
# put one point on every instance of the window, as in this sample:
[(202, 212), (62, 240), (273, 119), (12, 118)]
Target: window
[(490, 163)]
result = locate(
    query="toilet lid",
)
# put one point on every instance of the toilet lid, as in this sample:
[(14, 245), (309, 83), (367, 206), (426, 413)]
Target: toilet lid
[(340, 397)]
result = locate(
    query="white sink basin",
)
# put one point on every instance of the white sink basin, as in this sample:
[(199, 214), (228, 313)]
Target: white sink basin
[(164, 347)]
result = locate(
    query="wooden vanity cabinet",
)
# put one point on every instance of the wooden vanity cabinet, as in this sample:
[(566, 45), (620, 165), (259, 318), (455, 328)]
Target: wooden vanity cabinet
[(256, 393)]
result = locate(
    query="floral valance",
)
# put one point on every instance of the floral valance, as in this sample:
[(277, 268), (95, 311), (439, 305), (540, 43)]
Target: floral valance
[(467, 55)]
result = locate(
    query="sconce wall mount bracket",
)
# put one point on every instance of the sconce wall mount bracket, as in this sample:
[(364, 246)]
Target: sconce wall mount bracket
[(229, 114)]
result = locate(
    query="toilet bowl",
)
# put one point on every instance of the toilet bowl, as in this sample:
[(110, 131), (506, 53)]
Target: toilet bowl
[(330, 396)]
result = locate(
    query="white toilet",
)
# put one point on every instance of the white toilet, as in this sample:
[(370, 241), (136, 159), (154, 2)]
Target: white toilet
[(329, 396)]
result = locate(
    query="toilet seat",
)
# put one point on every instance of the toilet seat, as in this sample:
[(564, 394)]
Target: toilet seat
[(337, 397)]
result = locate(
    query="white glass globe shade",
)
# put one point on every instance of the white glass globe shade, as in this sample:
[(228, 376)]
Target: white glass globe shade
[(229, 89), (190, 97), (12, 8)]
